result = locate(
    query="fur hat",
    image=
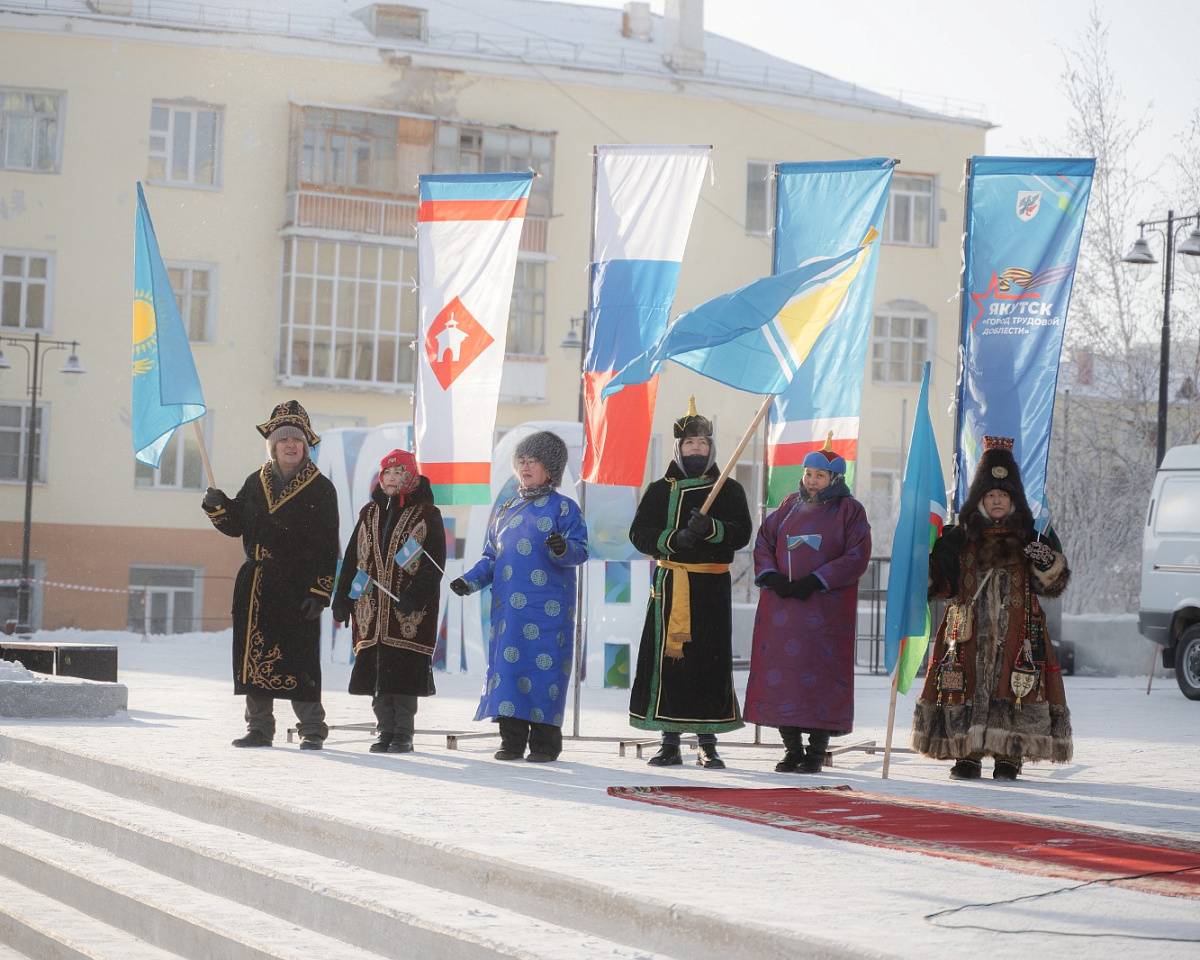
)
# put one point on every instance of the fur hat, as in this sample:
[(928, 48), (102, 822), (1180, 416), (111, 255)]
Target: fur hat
[(998, 470), (288, 414), (546, 448), (691, 424), (408, 464), (825, 458)]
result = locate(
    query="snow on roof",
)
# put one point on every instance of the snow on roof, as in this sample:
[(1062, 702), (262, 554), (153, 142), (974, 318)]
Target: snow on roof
[(525, 31)]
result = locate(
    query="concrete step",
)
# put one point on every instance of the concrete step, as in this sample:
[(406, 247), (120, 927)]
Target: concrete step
[(388, 916), (41, 928)]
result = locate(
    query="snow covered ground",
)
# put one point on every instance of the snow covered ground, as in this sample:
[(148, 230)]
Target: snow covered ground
[(1136, 767)]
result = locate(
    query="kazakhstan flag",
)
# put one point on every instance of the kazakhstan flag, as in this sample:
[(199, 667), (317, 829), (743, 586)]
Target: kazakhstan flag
[(166, 388)]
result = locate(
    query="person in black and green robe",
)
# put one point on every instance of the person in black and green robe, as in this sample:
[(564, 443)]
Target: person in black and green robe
[(287, 517), (684, 676)]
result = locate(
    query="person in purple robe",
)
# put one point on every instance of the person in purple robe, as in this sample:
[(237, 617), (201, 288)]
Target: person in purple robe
[(808, 558)]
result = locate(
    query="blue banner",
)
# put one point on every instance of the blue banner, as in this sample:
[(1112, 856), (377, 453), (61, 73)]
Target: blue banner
[(1024, 223), (822, 209)]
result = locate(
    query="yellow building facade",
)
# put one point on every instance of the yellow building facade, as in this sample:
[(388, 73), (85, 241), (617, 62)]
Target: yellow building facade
[(280, 159)]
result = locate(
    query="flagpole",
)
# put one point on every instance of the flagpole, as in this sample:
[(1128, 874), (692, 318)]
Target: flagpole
[(762, 412), (951, 505), (887, 746), (208, 470)]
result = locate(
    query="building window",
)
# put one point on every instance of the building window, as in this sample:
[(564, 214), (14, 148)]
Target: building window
[(885, 474), (355, 149), (527, 314), (185, 145), (399, 22), (195, 287), (25, 287), (900, 345), (321, 422), (10, 593), (164, 599), (349, 313), (910, 211), (30, 130), (14, 440), (475, 149), (760, 197), (181, 466)]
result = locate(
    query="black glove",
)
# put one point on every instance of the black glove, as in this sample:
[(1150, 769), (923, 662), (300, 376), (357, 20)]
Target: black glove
[(342, 607), (213, 498), (556, 543), (405, 604), (775, 581), (701, 524), (805, 587), (684, 539), (311, 608), (1040, 553), (460, 587)]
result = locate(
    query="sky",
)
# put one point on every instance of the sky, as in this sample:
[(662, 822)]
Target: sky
[(1007, 55)]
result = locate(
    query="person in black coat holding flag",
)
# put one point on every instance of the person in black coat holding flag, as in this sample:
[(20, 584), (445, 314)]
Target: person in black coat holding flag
[(400, 544)]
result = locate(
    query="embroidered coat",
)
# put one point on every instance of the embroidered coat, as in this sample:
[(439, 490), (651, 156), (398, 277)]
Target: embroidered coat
[(531, 642), (393, 651), (684, 676), (290, 537), (802, 658), (993, 590)]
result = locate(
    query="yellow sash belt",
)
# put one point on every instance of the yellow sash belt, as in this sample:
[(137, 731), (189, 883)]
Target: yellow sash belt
[(679, 622)]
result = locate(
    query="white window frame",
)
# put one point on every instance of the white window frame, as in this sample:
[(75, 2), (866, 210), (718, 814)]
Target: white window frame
[(146, 477), (42, 438), (527, 311), (26, 282), (140, 591), (479, 148), (760, 177), (883, 339), (162, 144), (893, 474), (186, 296), (326, 336), (38, 120), (900, 222)]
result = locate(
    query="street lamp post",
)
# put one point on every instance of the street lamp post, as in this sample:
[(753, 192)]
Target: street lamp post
[(1141, 254), (35, 348)]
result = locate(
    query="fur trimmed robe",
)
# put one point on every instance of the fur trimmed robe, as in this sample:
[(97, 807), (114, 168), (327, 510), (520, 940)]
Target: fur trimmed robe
[(993, 589)]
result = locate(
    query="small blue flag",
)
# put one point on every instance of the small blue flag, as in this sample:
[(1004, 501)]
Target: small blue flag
[(360, 583), (408, 554), (811, 539)]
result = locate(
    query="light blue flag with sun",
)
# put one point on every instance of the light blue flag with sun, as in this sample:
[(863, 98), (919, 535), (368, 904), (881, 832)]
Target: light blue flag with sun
[(166, 388)]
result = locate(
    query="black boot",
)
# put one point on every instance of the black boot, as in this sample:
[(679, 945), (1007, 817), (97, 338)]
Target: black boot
[(254, 738), (706, 756), (795, 750), (966, 769), (1006, 769), (814, 753), (381, 745), (668, 756)]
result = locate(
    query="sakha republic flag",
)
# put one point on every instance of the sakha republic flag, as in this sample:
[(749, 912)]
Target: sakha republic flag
[(166, 387), (645, 196), (922, 515), (468, 234), (822, 208), (755, 338)]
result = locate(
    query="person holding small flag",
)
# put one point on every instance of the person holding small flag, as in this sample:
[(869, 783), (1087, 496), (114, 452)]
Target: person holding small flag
[(286, 514), (389, 588), (994, 687), (684, 677), (808, 558), (535, 541)]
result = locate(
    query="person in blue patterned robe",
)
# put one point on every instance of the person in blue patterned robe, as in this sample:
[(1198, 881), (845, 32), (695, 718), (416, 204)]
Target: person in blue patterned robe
[(535, 541)]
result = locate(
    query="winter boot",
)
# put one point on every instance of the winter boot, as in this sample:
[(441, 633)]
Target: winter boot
[(401, 745), (814, 753), (254, 738), (1006, 769), (794, 754), (668, 756), (381, 745), (706, 756), (966, 769)]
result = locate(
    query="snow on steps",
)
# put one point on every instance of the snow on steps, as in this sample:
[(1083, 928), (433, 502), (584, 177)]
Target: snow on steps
[(368, 889)]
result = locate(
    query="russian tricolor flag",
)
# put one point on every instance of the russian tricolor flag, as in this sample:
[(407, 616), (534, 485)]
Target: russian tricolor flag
[(643, 206)]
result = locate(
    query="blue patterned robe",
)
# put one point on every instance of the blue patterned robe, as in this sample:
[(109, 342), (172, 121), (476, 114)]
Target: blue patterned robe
[(532, 639)]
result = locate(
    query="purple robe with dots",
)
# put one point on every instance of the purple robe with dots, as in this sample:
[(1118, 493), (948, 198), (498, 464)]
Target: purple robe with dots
[(802, 658)]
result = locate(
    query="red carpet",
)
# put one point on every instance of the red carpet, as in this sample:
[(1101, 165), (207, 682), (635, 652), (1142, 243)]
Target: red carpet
[(1010, 841)]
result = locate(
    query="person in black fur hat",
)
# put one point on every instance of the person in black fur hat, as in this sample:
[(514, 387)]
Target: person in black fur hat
[(684, 677), (994, 687), (400, 543)]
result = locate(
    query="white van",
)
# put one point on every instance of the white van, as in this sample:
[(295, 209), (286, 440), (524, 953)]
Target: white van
[(1169, 611)]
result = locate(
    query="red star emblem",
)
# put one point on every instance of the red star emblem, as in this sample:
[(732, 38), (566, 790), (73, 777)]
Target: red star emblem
[(454, 341)]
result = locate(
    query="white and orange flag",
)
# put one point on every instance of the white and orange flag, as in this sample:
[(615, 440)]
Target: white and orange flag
[(468, 233)]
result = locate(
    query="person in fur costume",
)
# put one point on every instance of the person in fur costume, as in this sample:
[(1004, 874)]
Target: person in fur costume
[(994, 687)]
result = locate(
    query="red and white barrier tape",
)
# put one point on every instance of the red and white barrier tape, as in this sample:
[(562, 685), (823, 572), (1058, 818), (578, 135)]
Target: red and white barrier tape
[(17, 581)]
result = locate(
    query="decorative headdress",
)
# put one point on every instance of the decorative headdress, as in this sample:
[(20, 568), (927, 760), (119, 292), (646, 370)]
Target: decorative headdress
[(691, 424), (289, 414), (998, 470), (408, 464), (825, 458)]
